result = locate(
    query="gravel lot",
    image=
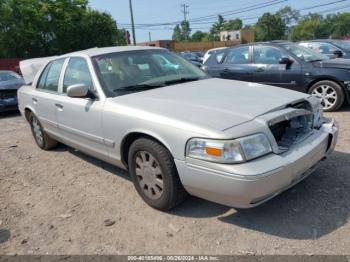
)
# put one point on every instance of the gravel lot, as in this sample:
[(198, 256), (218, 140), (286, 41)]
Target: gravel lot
[(57, 202)]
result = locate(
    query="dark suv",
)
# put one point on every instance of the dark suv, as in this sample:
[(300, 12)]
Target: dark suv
[(287, 65)]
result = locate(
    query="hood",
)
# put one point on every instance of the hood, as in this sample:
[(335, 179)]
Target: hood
[(333, 63), (213, 103), (30, 67), (11, 84)]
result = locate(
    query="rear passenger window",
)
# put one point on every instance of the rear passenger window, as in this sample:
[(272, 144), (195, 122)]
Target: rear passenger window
[(50, 76)]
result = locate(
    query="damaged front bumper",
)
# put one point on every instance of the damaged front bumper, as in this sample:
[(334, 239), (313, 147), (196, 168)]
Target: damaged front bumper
[(252, 183)]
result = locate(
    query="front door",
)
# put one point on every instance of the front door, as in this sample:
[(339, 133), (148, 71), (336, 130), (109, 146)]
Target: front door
[(269, 71), (80, 119)]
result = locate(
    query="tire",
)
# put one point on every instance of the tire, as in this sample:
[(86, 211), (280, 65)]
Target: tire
[(44, 141), (331, 94), (154, 174)]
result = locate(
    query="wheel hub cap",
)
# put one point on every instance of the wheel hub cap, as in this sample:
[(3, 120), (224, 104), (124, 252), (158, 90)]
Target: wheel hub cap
[(327, 94), (38, 134), (149, 175)]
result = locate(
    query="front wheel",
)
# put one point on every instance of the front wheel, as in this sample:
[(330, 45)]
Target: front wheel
[(330, 93), (154, 174)]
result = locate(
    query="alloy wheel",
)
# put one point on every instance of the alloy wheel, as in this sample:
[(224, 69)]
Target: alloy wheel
[(149, 175), (327, 94)]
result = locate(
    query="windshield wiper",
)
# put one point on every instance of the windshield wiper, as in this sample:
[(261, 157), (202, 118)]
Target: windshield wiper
[(138, 87), (181, 80), (316, 60)]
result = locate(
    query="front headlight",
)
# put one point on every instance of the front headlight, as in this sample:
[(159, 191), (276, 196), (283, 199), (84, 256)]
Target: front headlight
[(229, 151)]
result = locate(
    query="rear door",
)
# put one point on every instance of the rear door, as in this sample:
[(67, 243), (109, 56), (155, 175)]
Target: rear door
[(237, 64), (80, 119), (45, 96), (268, 70)]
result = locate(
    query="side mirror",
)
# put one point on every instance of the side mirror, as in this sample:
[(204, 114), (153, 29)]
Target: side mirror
[(338, 53), (286, 61), (77, 90)]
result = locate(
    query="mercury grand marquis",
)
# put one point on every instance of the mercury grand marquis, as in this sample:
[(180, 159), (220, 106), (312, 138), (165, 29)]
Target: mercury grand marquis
[(176, 130)]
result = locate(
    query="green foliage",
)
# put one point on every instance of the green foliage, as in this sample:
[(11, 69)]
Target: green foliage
[(235, 24), (182, 31), (199, 36), (269, 27), (34, 28), (310, 27)]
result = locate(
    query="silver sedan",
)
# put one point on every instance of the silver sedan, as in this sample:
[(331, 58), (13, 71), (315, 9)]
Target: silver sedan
[(176, 130)]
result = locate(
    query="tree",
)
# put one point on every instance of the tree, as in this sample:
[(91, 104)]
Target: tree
[(31, 28), (182, 31), (186, 30), (340, 24), (199, 36), (217, 28), (289, 17), (269, 27), (177, 33), (310, 27), (235, 24)]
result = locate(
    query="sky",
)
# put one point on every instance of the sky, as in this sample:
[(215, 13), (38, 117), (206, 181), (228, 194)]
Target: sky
[(164, 11)]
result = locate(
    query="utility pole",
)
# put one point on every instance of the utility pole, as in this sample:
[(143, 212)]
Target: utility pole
[(149, 36), (132, 23), (185, 12)]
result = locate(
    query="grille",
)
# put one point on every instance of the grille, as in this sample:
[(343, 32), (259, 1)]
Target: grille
[(6, 94)]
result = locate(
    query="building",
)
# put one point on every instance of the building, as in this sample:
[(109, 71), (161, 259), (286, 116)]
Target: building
[(230, 35), (169, 44), (243, 36)]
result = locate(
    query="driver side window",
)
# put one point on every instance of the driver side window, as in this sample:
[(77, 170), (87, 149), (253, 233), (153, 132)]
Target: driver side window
[(77, 72), (267, 55)]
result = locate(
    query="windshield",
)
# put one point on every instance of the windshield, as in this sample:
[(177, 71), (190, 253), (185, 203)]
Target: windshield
[(345, 44), (139, 70), (306, 54)]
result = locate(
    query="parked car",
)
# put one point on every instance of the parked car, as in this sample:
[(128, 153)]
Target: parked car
[(212, 51), (231, 142), (287, 65), (330, 47), (192, 57), (9, 84)]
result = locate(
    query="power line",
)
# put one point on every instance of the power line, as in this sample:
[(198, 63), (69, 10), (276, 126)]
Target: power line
[(166, 26), (239, 10)]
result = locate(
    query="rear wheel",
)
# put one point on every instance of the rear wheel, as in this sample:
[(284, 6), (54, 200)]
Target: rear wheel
[(330, 93), (41, 138), (154, 174)]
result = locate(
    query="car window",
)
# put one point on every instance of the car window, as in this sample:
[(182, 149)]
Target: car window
[(122, 70), (6, 76), (267, 55), (238, 55), (323, 48), (77, 72), (51, 75)]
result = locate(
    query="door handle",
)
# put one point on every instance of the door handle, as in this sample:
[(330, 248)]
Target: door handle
[(59, 106), (34, 100), (260, 69), (226, 70)]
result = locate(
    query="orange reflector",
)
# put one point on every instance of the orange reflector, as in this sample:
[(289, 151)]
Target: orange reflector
[(213, 151)]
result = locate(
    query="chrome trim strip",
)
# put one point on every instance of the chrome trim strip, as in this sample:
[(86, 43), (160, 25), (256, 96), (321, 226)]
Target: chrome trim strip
[(85, 135)]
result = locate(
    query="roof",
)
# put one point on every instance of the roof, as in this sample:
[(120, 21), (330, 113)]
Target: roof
[(113, 49)]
